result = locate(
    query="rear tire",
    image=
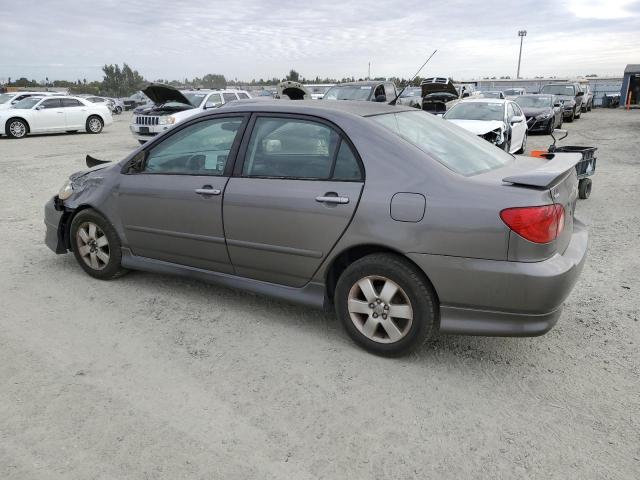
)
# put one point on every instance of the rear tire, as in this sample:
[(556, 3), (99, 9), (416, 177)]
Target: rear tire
[(386, 305), (584, 188), (96, 245), (94, 124)]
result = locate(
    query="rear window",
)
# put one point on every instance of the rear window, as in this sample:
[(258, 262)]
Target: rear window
[(452, 146)]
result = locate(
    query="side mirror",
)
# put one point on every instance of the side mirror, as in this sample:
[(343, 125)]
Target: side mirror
[(557, 104), (211, 105), (466, 94), (381, 98), (579, 94), (39, 107), (517, 120)]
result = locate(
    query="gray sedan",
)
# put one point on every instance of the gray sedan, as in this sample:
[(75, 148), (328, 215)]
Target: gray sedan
[(403, 223)]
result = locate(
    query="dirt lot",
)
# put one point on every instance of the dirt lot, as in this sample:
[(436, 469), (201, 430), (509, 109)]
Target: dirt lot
[(152, 377)]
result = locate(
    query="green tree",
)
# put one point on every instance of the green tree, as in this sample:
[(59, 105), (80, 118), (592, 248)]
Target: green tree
[(293, 76), (121, 82), (214, 80)]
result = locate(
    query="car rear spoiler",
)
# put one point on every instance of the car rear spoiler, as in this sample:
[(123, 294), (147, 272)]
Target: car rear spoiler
[(92, 162), (553, 172)]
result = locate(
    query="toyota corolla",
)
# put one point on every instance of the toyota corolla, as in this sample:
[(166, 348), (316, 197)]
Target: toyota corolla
[(402, 222)]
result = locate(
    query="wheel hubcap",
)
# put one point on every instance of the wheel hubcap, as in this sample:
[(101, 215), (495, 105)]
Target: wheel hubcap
[(93, 245), (380, 309), (17, 129), (94, 124)]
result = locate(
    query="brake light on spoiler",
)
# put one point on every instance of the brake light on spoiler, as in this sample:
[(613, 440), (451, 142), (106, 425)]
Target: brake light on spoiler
[(541, 224)]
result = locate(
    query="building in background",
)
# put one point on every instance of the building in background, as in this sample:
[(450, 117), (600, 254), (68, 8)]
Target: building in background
[(630, 91)]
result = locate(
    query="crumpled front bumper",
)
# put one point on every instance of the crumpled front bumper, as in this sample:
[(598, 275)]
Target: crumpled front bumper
[(54, 223)]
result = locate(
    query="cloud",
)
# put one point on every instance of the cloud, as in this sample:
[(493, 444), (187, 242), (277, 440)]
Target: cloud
[(266, 38)]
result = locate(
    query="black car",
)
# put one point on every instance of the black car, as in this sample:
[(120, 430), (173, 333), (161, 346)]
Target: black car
[(543, 112)]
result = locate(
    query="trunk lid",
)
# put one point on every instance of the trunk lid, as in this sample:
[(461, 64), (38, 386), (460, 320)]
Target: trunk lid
[(549, 181)]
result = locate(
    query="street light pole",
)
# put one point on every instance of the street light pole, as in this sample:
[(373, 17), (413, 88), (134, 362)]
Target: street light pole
[(521, 34)]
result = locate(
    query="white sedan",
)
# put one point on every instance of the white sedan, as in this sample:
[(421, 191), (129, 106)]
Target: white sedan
[(498, 121), (53, 114)]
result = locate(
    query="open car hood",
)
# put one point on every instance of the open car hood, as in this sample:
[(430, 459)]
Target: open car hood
[(160, 94), (438, 85), (293, 90)]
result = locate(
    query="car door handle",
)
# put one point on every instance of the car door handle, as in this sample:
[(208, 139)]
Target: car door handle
[(207, 191), (331, 199)]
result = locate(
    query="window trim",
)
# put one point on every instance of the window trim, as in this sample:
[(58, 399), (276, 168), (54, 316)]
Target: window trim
[(242, 153), (231, 158)]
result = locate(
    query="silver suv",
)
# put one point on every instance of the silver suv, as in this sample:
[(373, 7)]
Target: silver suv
[(171, 106)]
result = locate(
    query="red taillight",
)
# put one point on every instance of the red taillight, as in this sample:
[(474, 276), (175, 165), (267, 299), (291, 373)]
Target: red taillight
[(541, 224)]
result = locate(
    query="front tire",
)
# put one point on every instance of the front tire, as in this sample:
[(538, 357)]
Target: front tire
[(16, 128), (96, 245), (572, 117), (386, 305), (94, 124)]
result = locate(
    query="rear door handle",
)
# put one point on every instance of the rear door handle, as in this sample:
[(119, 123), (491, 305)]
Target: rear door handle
[(207, 190), (325, 199)]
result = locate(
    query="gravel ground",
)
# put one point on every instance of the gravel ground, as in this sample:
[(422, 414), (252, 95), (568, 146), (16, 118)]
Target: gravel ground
[(152, 377)]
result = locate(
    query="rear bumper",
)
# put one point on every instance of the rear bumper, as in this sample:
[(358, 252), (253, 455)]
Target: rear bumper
[(501, 298), (54, 234)]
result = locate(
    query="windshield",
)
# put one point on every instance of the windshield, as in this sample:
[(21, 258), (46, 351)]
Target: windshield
[(6, 97), (412, 92), (452, 146), (537, 101), (27, 103), (319, 89), (513, 91), (195, 99), (559, 90), (476, 111), (348, 92)]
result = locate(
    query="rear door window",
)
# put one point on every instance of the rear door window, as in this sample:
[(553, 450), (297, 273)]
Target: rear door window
[(71, 102), (298, 149)]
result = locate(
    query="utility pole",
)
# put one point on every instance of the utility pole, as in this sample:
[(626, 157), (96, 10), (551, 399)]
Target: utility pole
[(369, 75), (521, 34)]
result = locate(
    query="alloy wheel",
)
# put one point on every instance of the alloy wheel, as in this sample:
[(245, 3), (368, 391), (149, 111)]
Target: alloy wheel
[(93, 245), (17, 129), (380, 309), (95, 125)]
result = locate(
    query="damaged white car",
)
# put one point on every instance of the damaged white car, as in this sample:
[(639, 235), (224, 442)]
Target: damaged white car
[(500, 122), (171, 106)]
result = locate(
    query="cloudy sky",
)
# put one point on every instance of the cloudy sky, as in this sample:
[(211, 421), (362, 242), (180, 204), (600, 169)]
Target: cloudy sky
[(248, 39)]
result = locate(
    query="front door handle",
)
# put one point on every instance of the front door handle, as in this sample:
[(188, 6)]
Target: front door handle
[(332, 199), (208, 190)]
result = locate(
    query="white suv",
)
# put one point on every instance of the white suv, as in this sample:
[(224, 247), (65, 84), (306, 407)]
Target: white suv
[(172, 106)]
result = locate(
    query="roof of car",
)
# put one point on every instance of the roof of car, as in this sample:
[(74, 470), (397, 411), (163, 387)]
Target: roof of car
[(354, 107), (362, 83), (485, 100)]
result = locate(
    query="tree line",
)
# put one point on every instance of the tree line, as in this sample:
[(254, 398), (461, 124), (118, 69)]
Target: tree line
[(122, 81)]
